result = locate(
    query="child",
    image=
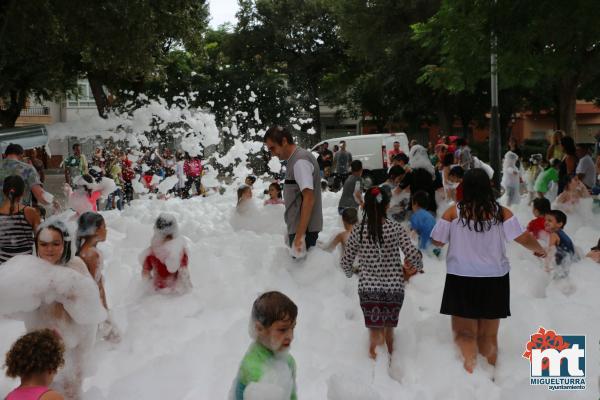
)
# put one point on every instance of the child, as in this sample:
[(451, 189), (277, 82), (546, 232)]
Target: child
[(165, 262), (550, 174), (91, 230), (422, 221), (574, 191), (565, 251), (377, 242), (455, 177), (35, 358), (541, 206), (274, 194), (594, 253), (511, 178), (84, 195), (250, 179), (532, 170), (349, 219), (324, 185), (267, 361), (244, 195)]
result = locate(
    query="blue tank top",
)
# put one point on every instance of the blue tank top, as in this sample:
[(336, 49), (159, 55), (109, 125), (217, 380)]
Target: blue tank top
[(565, 247)]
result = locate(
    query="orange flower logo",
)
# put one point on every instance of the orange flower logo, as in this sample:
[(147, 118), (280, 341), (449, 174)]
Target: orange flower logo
[(545, 339)]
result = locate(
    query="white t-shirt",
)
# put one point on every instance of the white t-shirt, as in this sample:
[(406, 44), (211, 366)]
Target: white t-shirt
[(586, 166), (303, 173)]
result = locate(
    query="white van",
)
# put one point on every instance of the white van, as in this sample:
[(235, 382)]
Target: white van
[(372, 150)]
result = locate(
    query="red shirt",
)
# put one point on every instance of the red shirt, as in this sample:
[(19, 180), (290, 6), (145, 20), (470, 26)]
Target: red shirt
[(459, 192), (162, 277), (536, 226)]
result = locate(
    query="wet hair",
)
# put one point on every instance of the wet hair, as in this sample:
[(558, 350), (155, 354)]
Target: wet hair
[(251, 178), (277, 187), (13, 189), (554, 163), (271, 307), (356, 166), (596, 247), (401, 157), (395, 172), (240, 192), (420, 198), (376, 201), (479, 209), (448, 160), (350, 216), (324, 185), (457, 171), (560, 216), (87, 226), (14, 149), (568, 145), (277, 134), (60, 227), (35, 353), (461, 142), (542, 205), (75, 145)]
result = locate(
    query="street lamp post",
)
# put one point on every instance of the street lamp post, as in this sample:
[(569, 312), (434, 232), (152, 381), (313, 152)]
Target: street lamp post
[(494, 140)]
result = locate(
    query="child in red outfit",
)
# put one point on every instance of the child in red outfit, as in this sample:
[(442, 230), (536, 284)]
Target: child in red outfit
[(541, 206), (165, 262)]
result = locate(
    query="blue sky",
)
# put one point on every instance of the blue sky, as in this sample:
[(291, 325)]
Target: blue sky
[(222, 11)]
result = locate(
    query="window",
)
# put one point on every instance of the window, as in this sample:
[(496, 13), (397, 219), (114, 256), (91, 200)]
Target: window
[(84, 97)]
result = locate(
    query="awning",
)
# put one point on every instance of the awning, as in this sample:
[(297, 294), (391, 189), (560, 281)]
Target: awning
[(29, 137)]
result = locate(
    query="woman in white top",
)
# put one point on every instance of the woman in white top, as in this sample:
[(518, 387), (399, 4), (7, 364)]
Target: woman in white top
[(477, 291)]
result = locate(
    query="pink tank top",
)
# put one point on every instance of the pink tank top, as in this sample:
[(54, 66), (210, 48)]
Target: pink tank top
[(27, 393)]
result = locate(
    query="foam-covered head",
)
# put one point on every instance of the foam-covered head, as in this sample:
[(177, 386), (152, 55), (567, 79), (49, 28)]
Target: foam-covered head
[(53, 242), (510, 159), (420, 159), (166, 225), (273, 320)]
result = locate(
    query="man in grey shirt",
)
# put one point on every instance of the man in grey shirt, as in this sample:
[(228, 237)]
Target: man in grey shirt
[(586, 170), (301, 191), (341, 162), (353, 188)]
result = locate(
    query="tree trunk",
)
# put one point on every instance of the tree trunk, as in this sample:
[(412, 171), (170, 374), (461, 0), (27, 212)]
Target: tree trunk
[(9, 115), (445, 121), (567, 99), (99, 95)]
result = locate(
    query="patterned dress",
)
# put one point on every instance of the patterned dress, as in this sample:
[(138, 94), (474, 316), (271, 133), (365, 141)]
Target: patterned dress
[(380, 278)]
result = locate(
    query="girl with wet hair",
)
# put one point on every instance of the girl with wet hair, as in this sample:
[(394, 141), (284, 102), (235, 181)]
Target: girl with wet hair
[(17, 222), (91, 229), (477, 291), (165, 262), (379, 243)]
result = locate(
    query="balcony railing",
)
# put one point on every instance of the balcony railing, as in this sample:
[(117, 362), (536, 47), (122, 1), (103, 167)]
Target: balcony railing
[(35, 111)]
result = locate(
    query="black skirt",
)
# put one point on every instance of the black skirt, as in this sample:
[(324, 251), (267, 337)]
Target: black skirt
[(476, 298)]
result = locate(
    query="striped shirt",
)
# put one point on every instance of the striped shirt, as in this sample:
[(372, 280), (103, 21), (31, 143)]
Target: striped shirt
[(16, 236)]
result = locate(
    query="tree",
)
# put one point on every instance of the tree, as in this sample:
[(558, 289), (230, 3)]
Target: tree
[(546, 43), (31, 60), (115, 45), (296, 37)]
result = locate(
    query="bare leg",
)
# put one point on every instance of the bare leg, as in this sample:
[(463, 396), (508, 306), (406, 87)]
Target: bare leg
[(487, 339), (465, 337), (389, 339), (375, 339)]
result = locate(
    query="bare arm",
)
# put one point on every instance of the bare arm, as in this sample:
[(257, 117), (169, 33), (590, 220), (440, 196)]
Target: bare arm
[(33, 217), (38, 193), (308, 202), (449, 215), (51, 395), (337, 239), (91, 259), (528, 241)]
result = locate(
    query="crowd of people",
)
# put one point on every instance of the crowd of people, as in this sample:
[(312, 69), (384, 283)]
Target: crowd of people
[(433, 197)]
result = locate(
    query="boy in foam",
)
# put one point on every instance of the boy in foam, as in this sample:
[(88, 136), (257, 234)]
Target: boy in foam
[(349, 219), (267, 366), (565, 250)]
